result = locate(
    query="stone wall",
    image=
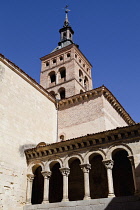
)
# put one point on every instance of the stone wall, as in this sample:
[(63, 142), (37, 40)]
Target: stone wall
[(91, 116), (27, 118)]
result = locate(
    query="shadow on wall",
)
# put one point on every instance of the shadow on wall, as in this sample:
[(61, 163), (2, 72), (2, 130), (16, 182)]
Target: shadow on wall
[(24, 147)]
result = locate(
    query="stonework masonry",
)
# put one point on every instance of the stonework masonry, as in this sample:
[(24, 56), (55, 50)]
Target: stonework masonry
[(92, 116), (24, 122)]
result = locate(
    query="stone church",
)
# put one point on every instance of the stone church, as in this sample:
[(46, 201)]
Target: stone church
[(65, 145)]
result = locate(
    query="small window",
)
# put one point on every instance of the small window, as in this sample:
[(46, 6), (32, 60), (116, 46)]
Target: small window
[(63, 73), (54, 60), (79, 60), (81, 91), (62, 138), (64, 35), (52, 94), (61, 58), (84, 65), (70, 35), (52, 77), (75, 56), (87, 69), (47, 63), (62, 93), (68, 55)]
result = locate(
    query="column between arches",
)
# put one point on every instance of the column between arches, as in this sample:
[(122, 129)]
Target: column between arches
[(30, 178), (131, 158), (65, 172), (46, 175), (109, 166), (86, 168)]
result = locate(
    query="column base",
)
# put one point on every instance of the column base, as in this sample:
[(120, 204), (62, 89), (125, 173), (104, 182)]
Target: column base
[(28, 203), (65, 200), (87, 198), (111, 195), (44, 202)]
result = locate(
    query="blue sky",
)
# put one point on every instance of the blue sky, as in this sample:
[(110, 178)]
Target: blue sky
[(107, 31)]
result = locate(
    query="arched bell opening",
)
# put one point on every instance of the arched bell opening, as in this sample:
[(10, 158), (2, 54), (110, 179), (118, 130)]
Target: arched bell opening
[(122, 174), (52, 78), (62, 72), (56, 184), (86, 83), (98, 177), (75, 180), (38, 186), (62, 93), (52, 94)]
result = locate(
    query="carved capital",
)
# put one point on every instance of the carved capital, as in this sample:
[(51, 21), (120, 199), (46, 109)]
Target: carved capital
[(65, 171), (46, 174), (30, 177), (85, 167), (108, 164), (131, 158)]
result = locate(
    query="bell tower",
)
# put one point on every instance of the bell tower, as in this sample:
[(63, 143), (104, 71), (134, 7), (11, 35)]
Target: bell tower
[(66, 71)]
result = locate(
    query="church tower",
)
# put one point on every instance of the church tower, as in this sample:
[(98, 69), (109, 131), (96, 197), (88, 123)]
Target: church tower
[(66, 71)]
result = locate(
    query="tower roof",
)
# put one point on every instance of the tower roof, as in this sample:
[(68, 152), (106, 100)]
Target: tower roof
[(66, 33)]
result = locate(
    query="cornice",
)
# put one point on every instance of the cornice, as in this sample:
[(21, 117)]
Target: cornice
[(97, 140), (73, 100), (26, 77), (62, 50)]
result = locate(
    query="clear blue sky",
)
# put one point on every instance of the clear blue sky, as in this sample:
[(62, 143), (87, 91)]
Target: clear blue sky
[(107, 31)]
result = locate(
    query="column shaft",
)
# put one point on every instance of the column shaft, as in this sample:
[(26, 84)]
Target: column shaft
[(109, 165), (47, 175), (65, 172), (86, 168), (30, 178)]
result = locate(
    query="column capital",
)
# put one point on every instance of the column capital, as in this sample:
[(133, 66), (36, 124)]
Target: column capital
[(131, 158), (85, 167), (108, 164), (46, 174), (65, 171), (30, 177)]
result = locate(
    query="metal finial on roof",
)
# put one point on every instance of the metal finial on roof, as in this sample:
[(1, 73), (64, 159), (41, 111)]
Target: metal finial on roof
[(66, 22)]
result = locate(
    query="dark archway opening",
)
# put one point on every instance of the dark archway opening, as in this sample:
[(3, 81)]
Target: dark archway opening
[(98, 178), (63, 73), (52, 94), (76, 181), (38, 187), (56, 184), (122, 174), (62, 93), (52, 77)]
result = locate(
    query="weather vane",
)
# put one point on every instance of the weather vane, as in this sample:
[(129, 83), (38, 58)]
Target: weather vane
[(66, 9)]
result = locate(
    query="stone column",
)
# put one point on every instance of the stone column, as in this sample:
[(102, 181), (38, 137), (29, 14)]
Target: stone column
[(109, 165), (47, 175), (65, 172), (86, 168), (131, 158), (30, 178)]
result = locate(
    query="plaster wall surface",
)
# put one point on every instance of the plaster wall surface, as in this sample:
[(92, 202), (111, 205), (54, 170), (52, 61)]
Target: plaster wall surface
[(27, 118), (87, 117)]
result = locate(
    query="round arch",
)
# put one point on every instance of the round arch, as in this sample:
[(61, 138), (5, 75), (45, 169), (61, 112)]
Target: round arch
[(52, 162), (118, 147), (73, 156), (90, 153), (33, 165), (62, 92)]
